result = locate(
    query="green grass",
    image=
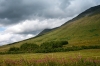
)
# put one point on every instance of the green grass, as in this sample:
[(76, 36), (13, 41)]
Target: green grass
[(72, 58), (84, 53)]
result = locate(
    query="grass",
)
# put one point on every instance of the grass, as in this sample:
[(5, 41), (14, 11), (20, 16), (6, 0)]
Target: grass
[(67, 58), (83, 53), (52, 61)]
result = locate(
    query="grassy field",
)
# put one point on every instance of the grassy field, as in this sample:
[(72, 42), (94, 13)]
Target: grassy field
[(76, 57), (84, 53)]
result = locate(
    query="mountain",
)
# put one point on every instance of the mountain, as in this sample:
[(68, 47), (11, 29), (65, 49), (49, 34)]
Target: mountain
[(82, 30), (89, 12), (45, 31)]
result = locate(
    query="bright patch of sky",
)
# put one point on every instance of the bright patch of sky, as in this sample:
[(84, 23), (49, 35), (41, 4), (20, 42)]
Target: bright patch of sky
[(2, 29)]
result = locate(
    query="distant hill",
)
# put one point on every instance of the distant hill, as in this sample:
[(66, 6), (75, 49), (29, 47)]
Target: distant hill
[(46, 31), (82, 30), (89, 12)]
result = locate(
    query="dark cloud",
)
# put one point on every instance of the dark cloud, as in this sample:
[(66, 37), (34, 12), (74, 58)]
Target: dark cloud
[(31, 32), (64, 3), (15, 11)]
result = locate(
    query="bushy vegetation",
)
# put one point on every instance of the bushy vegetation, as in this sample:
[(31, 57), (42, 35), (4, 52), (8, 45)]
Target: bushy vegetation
[(53, 44), (29, 47), (47, 47), (89, 47), (14, 49), (75, 48)]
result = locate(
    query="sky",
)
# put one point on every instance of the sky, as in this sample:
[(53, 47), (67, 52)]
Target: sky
[(22, 19)]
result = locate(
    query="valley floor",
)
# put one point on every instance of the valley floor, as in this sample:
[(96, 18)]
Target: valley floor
[(84, 53), (91, 57)]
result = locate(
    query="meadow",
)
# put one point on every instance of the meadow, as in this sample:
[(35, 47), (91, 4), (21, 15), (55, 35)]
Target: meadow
[(90, 57)]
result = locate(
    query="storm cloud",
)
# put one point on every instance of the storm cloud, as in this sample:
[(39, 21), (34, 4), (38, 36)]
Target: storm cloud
[(14, 11), (26, 18)]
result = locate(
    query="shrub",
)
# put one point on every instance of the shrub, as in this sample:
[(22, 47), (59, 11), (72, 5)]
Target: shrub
[(29, 47), (14, 49), (53, 44), (64, 42), (91, 47)]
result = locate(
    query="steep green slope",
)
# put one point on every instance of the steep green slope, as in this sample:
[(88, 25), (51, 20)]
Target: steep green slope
[(45, 31), (82, 30)]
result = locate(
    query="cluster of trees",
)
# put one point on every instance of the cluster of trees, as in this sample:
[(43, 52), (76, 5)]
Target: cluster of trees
[(47, 47), (51, 46)]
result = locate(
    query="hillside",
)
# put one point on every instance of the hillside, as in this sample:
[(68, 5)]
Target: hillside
[(46, 31), (82, 30)]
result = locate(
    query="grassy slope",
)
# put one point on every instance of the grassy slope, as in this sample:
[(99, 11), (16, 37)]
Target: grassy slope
[(84, 31)]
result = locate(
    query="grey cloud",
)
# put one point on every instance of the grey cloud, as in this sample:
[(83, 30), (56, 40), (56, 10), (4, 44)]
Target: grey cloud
[(18, 10), (64, 4), (15, 11), (31, 32)]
